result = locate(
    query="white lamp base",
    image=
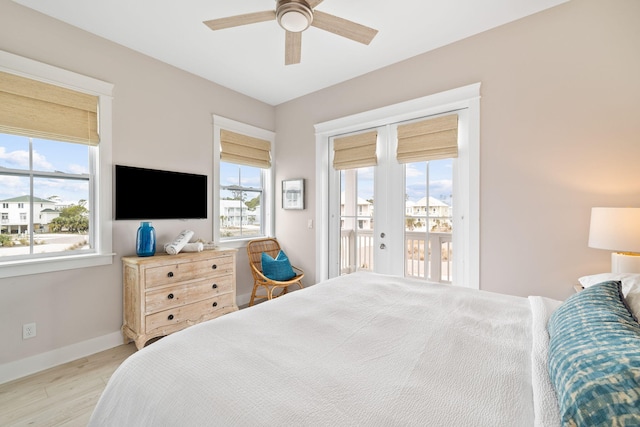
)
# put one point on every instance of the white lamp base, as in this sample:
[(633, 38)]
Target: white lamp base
[(624, 263)]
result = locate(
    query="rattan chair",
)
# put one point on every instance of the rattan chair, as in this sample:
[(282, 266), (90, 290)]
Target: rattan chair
[(255, 248)]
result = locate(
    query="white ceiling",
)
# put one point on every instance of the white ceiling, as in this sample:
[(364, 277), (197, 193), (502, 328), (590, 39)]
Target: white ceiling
[(250, 59)]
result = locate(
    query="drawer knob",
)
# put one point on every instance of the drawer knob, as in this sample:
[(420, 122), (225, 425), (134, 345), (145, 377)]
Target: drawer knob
[(170, 317), (214, 286), (214, 266), (170, 296), (215, 304), (170, 274)]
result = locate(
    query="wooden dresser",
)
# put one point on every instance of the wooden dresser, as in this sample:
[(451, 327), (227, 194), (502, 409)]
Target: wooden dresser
[(165, 293)]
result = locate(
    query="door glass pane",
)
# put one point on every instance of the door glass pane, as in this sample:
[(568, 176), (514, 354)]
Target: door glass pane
[(356, 220), (428, 220)]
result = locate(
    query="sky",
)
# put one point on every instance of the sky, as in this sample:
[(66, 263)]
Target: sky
[(48, 156), (74, 159), (440, 181)]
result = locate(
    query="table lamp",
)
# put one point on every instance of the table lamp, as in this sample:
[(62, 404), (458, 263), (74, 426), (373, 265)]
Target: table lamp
[(617, 229)]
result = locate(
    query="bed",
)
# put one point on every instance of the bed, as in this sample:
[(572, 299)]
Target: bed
[(363, 349)]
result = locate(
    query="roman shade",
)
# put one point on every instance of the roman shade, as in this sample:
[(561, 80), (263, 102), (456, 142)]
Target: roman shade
[(355, 151), (429, 139), (244, 150), (35, 109)]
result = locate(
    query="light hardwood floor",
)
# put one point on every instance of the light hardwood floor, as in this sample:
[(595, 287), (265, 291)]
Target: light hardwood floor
[(60, 396)]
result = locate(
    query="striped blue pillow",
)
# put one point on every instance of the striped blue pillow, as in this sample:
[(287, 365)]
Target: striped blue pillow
[(594, 358)]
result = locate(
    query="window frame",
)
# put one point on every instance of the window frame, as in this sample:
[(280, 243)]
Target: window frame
[(268, 179), (467, 175), (101, 182)]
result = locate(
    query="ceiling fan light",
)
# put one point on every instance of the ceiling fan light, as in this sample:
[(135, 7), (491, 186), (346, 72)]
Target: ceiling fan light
[(294, 15), (294, 21)]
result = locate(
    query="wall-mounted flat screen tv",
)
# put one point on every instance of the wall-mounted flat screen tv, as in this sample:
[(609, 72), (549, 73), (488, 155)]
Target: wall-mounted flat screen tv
[(159, 194)]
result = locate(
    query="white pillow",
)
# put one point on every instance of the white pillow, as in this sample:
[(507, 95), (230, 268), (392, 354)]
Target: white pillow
[(630, 287), (633, 300)]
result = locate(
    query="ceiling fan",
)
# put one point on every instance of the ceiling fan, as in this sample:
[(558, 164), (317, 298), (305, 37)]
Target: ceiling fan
[(295, 16)]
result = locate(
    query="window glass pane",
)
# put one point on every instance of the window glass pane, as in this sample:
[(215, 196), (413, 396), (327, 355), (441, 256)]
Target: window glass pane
[(14, 152), (42, 215), (428, 219), (356, 220), (55, 156), (240, 201)]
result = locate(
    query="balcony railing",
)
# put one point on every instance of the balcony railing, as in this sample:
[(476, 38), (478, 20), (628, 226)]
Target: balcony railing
[(429, 259)]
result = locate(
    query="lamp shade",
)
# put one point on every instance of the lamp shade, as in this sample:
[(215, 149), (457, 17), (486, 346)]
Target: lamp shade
[(615, 229)]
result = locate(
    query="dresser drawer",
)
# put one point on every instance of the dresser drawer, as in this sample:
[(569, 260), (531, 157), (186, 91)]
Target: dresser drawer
[(180, 317), (177, 295), (181, 271), (163, 294)]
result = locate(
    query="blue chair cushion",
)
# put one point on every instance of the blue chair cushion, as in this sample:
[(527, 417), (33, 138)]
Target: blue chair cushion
[(594, 358), (277, 269)]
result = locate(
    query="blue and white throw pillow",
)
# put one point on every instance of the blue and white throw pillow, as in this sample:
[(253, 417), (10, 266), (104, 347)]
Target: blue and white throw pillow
[(278, 268), (594, 358)]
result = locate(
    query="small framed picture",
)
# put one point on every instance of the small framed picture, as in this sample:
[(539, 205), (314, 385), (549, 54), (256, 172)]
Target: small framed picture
[(293, 194)]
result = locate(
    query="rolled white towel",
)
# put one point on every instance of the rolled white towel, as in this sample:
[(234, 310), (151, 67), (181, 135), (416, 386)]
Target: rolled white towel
[(179, 242), (189, 247), (193, 247)]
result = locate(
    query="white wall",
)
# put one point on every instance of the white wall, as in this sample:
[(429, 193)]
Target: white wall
[(560, 126)]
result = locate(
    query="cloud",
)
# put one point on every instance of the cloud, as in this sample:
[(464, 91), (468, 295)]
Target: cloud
[(412, 172), (13, 186), (19, 159), (78, 169), (40, 162)]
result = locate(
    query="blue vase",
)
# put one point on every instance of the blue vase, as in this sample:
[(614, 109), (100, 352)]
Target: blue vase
[(146, 240)]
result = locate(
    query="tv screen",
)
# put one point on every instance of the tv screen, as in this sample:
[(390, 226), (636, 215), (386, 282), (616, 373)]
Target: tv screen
[(159, 194)]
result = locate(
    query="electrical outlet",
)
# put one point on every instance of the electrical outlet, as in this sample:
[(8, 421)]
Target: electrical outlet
[(28, 330)]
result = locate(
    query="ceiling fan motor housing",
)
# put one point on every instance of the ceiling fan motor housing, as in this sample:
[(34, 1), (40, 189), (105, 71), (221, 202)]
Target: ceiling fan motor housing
[(294, 15)]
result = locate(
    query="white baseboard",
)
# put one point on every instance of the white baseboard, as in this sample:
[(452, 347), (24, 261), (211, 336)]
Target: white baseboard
[(30, 365), (243, 300)]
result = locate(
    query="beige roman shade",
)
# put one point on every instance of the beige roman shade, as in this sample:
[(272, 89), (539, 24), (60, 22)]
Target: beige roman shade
[(430, 139), (244, 150), (41, 110), (355, 151)]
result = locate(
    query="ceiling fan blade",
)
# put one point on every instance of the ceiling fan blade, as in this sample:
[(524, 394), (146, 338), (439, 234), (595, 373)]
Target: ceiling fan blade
[(292, 48), (235, 21), (343, 27), (314, 3)]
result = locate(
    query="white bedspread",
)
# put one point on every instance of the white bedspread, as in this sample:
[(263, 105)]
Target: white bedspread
[(363, 349)]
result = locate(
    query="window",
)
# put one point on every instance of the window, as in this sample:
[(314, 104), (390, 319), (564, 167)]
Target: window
[(55, 171), (243, 189), (392, 173)]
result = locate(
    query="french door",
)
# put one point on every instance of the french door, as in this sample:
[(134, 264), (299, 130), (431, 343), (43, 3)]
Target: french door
[(376, 206), (393, 218)]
